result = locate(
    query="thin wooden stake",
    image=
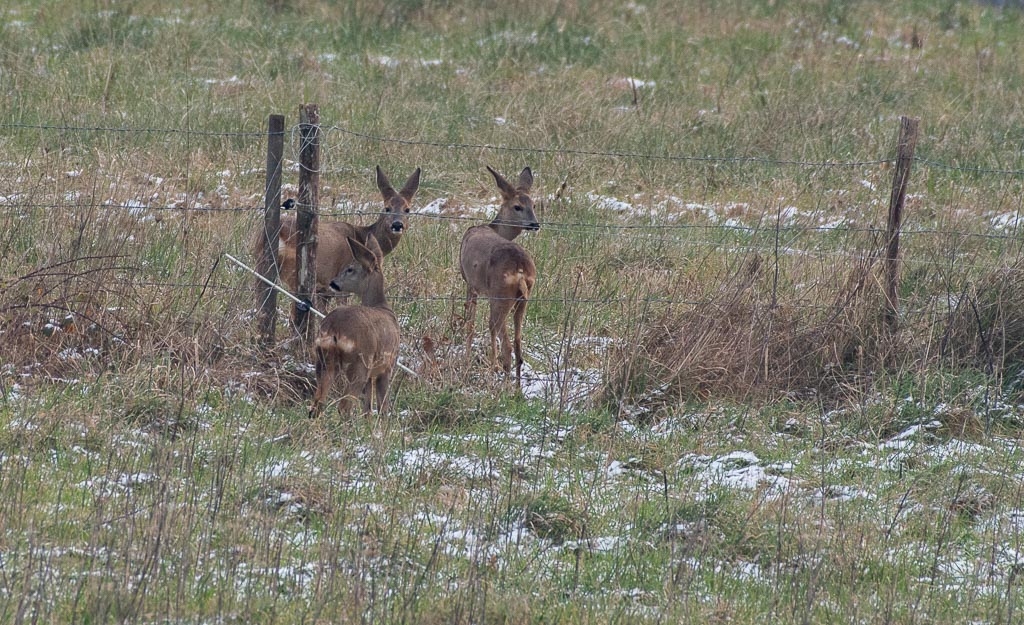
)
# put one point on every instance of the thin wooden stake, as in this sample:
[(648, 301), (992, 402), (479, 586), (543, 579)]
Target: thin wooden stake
[(267, 263), (306, 215), (901, 177)]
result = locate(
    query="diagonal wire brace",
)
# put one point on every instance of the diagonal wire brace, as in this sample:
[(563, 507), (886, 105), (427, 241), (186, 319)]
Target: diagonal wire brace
[(304, 304)]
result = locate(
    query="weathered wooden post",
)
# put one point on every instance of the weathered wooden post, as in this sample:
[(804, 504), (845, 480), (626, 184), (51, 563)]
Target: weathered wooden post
[(306, 215), (901, 177), (267, 263)]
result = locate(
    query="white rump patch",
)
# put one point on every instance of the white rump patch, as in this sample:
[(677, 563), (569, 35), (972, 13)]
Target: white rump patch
[(513, 278), (331, 341)]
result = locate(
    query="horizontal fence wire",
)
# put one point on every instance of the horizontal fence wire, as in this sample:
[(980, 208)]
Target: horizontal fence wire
[(595, 302), (447, 145), (974, 170), (767, 228), (751, 160), (568, 226), (137, 130)]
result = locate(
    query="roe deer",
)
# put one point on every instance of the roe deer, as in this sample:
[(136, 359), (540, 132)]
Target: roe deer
[(332, 251), (493, 264), (358, 344)]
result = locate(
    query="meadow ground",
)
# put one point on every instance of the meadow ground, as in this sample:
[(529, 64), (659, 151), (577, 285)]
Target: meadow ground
[(717, 423)]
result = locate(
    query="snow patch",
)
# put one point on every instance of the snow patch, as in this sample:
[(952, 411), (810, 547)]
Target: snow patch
[(436, 207)]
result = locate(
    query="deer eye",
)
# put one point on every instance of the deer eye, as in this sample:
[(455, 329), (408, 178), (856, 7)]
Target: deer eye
[(518, 208)]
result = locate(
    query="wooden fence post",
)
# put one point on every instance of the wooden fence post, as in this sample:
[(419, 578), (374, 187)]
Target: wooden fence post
[(904, 159), (267, 263), (306, 215)]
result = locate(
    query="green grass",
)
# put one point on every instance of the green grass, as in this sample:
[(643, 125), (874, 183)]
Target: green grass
[(803, 466)]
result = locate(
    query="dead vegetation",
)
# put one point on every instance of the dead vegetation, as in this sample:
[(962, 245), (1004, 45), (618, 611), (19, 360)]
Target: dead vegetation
[(744, 342)]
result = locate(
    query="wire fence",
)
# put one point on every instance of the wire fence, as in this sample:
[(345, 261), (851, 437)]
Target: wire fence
[(293, 132), (775, 235), (459, 299), (771, 226)]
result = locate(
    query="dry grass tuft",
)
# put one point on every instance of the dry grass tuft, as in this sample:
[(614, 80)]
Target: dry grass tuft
[(985, 327), (741, 343)]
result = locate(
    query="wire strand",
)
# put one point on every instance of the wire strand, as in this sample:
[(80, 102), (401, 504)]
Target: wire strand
[(127, 130), (754, 160), (757, 160), (565, 226)]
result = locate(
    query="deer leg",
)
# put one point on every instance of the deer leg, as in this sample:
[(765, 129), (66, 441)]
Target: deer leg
[(499, 316), (368, 391), (518, 313), (355, 376), (470, 313), (326, 370), (381, 386)]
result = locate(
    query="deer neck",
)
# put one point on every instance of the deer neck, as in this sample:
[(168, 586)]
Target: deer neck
[(387, 239), (373, 292), (504, 230)]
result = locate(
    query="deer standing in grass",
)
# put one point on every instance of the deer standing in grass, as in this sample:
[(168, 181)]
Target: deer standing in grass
[(494, 265), (357, 344), (333, 252)]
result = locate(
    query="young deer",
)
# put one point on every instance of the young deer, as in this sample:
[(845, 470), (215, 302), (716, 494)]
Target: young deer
[(332, 251), (501, 269), (358, 343)]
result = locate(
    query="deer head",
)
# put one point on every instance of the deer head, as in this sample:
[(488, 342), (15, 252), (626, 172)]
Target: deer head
[(397, 204), (516, 211), (362, 276)]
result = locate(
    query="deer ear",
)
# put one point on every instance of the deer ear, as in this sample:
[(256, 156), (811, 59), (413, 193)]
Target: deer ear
[(384, 185), (507, 191), (361, 254), (413, 183), (374, 247), (525, 180)]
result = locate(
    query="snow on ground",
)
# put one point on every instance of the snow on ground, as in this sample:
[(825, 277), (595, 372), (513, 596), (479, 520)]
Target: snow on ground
[(435, 207), (628, 82), (479, 464), (1006, 221), (471, 468), (233, 80), (570, 388), (739, 470)]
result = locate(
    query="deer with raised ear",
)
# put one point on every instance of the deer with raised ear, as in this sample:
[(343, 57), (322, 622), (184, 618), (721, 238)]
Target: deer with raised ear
[(499, 268), (333, 252), (357, 344)]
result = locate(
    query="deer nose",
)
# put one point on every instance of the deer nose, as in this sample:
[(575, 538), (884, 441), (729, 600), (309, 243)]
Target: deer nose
[(397, 226), (533, 226), (334, 286)]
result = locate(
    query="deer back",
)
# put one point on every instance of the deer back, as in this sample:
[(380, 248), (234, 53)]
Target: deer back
[(490, 263), (361, 334), (333, 252)]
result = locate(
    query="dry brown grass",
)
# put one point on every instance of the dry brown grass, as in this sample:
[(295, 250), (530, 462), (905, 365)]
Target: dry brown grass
[(742, 342)]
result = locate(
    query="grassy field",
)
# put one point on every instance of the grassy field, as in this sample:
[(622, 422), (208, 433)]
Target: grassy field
[(716, 424)]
